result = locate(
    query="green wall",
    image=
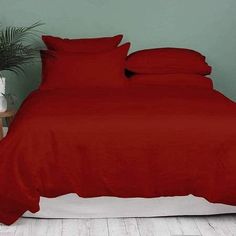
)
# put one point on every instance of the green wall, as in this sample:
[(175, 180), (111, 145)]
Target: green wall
[(208, 26)]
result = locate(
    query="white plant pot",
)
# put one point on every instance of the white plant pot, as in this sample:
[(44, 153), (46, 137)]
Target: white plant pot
[(2, 85), (3, 101), (3, 104)]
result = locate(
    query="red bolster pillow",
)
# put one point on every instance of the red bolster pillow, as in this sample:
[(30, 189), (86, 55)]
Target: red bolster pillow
[(167, 61), (87, 45)]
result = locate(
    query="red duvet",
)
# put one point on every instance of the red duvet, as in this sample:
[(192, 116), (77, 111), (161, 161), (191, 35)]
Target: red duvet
[(130, 142)]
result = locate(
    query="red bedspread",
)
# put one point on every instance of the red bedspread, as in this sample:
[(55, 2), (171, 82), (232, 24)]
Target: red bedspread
[(130, 142)]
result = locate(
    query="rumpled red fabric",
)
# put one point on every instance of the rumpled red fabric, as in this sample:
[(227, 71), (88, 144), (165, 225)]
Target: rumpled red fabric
[(123, 142)]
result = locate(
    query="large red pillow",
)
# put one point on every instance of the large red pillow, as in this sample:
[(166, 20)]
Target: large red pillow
[(79, 70), (167, 61), (83, 44)]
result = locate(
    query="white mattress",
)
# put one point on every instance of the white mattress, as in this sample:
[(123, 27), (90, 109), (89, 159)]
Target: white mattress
[(72, 206)]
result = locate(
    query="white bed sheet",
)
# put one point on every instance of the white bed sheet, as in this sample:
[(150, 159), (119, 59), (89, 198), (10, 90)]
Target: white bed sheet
[(72, 206)]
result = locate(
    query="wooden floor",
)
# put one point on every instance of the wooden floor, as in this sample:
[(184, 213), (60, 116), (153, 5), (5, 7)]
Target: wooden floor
[(168, 226)]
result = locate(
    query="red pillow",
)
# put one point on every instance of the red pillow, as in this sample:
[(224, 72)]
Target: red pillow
[(89, 45), (176, 80), (167, 61), (79, 70)]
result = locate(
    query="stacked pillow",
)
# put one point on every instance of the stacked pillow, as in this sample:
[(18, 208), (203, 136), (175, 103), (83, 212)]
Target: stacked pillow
[(167, 61), (168, 66), (76, 63)]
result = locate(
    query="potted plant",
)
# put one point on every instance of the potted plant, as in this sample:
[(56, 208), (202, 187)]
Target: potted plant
[(16, 50)]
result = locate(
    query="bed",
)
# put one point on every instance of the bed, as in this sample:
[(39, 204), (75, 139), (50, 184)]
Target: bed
[(92, 143)]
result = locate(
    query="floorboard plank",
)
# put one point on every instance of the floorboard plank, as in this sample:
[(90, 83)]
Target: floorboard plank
[(24, 227), (83, 227), (204, 227), (116, 227), (131, 227), (98, 227), (160, 226), (188, 226), (55, 227), (145, 227), (40, 227), (70, 227), (219, 225), (230, 221), (7, 230), (174, 226), (153, 226)]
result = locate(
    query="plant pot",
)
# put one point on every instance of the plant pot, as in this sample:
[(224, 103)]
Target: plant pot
[(3, 103), (2, 85)]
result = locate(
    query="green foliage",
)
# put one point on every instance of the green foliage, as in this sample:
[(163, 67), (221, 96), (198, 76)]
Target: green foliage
[(16, 47)]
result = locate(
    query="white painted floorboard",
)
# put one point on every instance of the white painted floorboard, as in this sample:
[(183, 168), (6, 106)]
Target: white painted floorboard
[(161, 226)]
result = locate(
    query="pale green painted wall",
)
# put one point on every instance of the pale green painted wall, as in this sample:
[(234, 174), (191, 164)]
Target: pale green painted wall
[(205, 25)]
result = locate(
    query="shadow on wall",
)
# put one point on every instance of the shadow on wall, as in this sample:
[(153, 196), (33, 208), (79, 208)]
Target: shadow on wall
[(22, 84)]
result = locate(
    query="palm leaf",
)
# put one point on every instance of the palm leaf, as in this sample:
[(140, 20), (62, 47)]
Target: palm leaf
[(15, 34), (15, 47)]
